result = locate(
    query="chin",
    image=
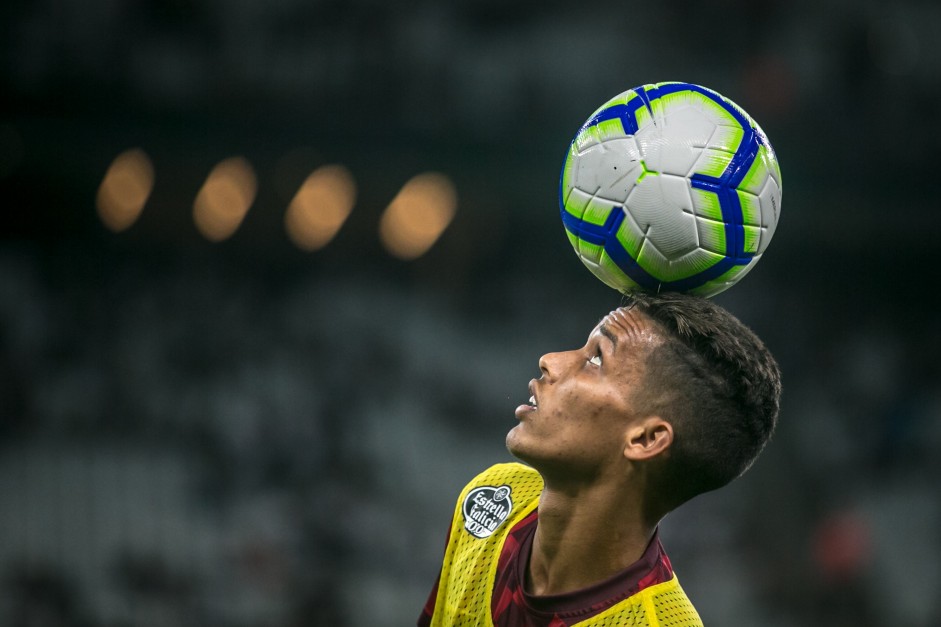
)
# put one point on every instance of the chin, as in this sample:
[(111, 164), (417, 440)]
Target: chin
[(512, 440), (516, 446)]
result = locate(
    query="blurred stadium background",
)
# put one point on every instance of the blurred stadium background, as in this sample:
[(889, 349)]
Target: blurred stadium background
[(239, 388)]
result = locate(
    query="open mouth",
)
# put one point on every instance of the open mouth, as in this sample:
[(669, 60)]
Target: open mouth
[(531, 406)]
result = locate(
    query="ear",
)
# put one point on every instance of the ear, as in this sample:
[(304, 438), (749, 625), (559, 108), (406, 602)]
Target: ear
[(648, 438)]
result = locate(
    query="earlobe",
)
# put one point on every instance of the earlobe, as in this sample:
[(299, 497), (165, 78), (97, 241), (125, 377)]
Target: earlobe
[(649, 438)]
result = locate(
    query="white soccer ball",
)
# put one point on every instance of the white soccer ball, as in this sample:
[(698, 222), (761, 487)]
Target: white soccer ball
[(670, 187)]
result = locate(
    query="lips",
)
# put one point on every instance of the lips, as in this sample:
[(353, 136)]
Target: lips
[(533, 405)]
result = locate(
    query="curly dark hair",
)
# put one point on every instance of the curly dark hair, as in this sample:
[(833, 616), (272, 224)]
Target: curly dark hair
[(718, 386)]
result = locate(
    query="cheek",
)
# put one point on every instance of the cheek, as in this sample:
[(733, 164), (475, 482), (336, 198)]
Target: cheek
[(574, 399), (585, 406), (598, 425), (581, 411)]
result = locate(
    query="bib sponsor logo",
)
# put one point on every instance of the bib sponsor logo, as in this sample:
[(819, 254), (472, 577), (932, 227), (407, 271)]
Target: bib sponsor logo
[(485, 509)]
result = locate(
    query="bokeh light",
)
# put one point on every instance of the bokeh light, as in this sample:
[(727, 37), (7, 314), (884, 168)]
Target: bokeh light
[(125, 188), (418, 215), (320, 207), (225, 198)]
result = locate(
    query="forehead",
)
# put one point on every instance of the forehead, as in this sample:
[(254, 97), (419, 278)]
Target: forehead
[(628, 325)]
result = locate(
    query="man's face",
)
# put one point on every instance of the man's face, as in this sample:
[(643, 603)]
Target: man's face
[(576, 419)]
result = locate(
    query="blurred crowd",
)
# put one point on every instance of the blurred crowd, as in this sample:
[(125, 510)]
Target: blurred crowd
[(191, 443)]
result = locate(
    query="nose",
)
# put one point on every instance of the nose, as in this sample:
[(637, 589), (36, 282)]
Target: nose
[(550, 365)]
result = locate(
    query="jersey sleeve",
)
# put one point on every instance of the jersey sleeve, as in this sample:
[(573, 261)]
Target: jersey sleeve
[(424, 620)]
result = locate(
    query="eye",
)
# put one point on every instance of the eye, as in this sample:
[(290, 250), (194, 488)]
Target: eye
[(596, 360)]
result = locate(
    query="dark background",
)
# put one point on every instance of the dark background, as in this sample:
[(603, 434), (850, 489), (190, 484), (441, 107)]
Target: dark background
[(242, 433)]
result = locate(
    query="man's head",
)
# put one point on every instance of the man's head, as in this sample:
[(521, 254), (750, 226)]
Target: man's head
[(716, 383), (672, 383)]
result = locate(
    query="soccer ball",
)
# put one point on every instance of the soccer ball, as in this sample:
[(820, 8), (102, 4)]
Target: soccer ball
[(670, 187)]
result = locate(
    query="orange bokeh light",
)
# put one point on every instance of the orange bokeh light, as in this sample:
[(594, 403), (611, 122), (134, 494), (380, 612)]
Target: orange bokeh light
[(125, 188), (418, 215), (225, 198), (320, 207)]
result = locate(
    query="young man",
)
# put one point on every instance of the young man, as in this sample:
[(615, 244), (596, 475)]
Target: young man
[(670, 397)]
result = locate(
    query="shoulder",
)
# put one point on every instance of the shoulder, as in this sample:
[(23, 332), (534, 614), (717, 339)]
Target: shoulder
[(512, 474), (499, 493)]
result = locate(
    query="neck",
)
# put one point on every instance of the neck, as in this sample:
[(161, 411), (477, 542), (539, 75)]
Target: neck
[(585, 535)]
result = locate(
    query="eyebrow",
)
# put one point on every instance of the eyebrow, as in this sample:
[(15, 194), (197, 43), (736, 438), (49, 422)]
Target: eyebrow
[(605, 331)]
